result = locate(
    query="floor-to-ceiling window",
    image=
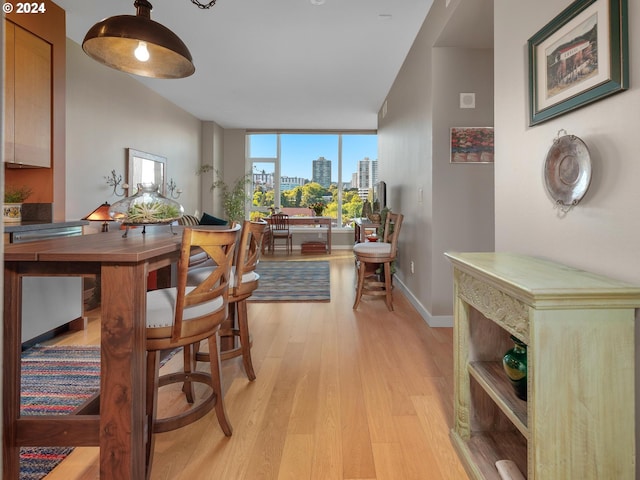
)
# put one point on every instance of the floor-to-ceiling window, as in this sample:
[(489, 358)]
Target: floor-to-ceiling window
[(293, 171)]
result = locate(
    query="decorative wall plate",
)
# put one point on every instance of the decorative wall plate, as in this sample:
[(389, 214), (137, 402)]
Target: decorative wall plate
[(567, 170)]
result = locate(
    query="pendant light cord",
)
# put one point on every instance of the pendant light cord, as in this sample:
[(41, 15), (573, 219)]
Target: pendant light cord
[(204, 5)]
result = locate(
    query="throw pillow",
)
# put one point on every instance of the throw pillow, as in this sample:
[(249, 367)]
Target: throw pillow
[(211, 220)]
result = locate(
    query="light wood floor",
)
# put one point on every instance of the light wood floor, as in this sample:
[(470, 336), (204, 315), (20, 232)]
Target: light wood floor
[(340, 394)]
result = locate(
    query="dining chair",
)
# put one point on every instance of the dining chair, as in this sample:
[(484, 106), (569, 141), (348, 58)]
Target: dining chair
[(244, 281), (280, 230), (183, 316), (383, 253), (198, 257)]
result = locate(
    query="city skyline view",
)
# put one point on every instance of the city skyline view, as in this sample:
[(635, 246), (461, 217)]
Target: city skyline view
[(298, 151)]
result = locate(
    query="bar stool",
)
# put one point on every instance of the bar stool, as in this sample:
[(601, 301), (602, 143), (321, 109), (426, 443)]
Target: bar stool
[(383, 253), (183, 316), (243, 283)]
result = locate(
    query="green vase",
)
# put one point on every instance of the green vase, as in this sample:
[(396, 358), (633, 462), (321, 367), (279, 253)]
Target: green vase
[(514, 363)]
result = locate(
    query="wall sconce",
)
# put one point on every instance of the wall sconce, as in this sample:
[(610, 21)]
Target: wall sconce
[(115, 181), (172, 188)]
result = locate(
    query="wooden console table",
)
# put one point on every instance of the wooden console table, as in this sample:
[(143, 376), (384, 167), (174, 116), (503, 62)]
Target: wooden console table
[(363, 228), (579, 417), (312, 221), (123, 264)]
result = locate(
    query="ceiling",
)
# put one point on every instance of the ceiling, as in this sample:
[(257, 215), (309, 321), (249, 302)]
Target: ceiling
[(278, 64)]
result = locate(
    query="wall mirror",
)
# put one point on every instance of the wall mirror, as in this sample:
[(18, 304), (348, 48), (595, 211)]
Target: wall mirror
[(144, 167)]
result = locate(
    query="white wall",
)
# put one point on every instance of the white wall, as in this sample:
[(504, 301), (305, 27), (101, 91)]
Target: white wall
[(109, 111), (601, 233), (455, 209)]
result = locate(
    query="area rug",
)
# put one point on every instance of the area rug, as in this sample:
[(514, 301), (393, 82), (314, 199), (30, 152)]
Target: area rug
[(293, 281), (55, 380)]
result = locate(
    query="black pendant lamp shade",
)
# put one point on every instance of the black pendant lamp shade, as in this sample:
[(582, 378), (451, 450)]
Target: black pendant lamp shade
[(124, 41)]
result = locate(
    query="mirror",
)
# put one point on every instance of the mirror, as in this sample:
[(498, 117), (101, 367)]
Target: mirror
[(145, 167)]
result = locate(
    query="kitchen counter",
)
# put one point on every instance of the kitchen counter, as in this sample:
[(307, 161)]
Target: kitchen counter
[(28, 226)]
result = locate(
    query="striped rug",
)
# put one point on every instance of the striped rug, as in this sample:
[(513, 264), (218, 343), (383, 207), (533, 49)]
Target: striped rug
[(293, 281), (55, 380)]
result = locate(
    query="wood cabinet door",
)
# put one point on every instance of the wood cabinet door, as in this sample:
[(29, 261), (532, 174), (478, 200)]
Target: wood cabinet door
[(9, 88), (32, 99)]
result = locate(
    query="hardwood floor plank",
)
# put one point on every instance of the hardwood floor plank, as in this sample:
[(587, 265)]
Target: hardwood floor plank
[(356, 439), (297, 457), (436, 421)]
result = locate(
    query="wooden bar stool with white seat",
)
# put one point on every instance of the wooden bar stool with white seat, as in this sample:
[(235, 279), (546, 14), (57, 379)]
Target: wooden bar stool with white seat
[(384, 253), (243, 283), (183, 316)]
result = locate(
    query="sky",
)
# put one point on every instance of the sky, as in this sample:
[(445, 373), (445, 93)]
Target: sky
[(299, 150)]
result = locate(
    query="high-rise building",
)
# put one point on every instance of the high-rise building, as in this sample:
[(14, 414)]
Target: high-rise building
[(367, 176), (322, 172), (289, 183), (264, 180)]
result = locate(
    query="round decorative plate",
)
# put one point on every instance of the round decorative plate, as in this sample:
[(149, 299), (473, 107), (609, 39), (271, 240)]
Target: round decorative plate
[(567, 170)]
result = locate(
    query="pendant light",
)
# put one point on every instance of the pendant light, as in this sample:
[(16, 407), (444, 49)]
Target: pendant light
[(136, 44)]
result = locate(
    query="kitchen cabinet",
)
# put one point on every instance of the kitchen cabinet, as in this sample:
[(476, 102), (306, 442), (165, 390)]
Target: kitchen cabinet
[(28, 93), (48, 183), (579, 417)]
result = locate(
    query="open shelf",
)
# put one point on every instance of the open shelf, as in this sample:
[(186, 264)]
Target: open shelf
[(484, 449), (492, 379)]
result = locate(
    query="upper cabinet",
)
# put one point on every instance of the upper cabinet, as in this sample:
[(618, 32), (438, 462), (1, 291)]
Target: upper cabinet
[(34, 88), (28, 94)]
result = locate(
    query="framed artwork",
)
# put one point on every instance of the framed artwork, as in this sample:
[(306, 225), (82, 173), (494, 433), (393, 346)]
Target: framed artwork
[(577, 58), (472, 145), (143, 167)]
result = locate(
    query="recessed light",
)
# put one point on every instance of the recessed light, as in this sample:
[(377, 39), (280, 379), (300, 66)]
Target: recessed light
[(317, 2)]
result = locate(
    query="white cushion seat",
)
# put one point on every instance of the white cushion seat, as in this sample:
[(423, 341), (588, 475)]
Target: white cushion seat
[(161, 310), (197, 275), (373, 248)]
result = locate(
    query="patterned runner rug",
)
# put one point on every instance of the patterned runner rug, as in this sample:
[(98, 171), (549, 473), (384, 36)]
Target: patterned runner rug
[(55, 380), (293, 281)]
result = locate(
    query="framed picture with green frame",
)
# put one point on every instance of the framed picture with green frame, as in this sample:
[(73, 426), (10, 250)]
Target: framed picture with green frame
[(579, 57)]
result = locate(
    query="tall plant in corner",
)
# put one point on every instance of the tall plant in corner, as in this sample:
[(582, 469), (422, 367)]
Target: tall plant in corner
[(234, 196)]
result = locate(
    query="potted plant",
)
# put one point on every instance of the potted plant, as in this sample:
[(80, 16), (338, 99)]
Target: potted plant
[(234, 196), (14, 197), (318, 207)]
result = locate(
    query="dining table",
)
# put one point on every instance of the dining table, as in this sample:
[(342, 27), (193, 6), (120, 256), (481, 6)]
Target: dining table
[(118, 425)]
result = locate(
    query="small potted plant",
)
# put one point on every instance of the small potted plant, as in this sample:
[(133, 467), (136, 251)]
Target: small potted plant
[(318, 208), (234, 196), (14, 197)]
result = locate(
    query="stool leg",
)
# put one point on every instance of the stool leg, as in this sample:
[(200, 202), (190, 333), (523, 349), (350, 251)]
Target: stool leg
[(214, 363), (153, 364), (245, 340), (361, 273), (387, 286), (188, 354)]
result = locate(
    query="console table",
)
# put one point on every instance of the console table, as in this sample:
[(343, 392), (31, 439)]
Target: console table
[(312, 221), (579, 417), (363, 228), (123, 264)]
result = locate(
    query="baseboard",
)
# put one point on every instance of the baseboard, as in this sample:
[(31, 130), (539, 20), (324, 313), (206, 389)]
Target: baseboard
[(431, 320)]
